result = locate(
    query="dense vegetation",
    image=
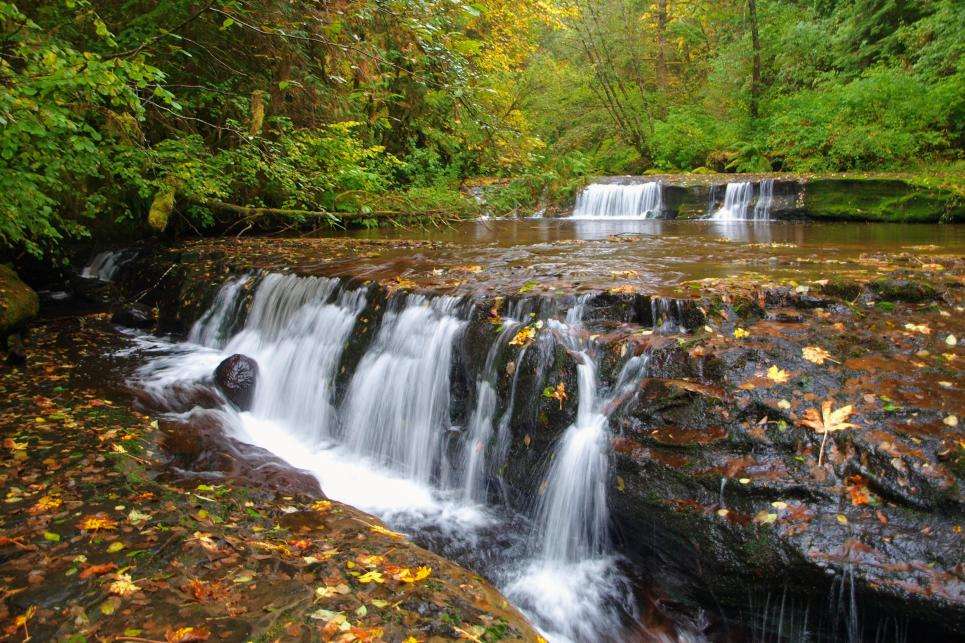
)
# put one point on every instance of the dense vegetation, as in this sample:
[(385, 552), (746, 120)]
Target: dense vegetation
[(238, 113)]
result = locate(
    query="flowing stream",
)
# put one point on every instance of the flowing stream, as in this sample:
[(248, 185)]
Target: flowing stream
[(389, 444), (614, 201)]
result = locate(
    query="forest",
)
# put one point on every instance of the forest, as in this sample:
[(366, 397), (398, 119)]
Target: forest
[(233, 115), (407, 321)]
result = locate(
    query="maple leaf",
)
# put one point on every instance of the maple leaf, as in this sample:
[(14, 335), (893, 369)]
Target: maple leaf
[(187, 635), (778, 375), (827, 421), (816, 354), (408, 576), (123, 585), (523, 337), (371, 577), (100, 522), (45, 504)]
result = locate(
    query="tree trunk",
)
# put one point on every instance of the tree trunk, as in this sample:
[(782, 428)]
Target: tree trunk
[(756, 73)]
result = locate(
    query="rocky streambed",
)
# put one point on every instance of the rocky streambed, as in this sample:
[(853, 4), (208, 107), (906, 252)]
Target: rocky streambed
[(779, 451)]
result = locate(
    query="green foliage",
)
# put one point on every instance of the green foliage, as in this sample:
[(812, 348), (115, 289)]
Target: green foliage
[(56, 105), (885, 118)]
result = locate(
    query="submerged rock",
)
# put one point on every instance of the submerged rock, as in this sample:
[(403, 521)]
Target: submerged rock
[(237, 377)]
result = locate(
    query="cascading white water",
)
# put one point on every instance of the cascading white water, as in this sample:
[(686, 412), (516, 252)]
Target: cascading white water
[(384, 448), (480, 428), (607, 200), (104, 265), (738, 198), (573, 583), (398, 402), (762, 210), (212, 328)]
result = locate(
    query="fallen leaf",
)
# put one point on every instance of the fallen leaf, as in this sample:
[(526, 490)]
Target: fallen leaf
[(778, 375), (827, 421), (816, 354)]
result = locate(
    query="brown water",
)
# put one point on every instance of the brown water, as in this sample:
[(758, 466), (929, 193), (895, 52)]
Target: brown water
[(651, 255)]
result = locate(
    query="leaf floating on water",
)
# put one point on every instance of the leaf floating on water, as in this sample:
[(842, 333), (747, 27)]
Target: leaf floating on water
[(765, 518), (123, 586), (100, 522), (187, 635)]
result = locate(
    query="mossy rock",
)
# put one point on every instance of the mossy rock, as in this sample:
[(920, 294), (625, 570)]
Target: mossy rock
[(903, 290), (842, 288), (880, 200), (18, 302)]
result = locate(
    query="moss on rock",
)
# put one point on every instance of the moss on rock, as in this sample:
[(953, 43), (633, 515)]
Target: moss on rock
[(880, 200), (18, 302)]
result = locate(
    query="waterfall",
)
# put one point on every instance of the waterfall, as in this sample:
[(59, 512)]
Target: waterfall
[(212, 327), (572, 581), (762, 211), (738, 198), (296, 330), (384, 448), (607, 200), (398, 401), (104, 265), (480, 429)]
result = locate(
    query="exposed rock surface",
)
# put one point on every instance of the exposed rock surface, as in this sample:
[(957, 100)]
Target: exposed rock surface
[(237, 377), (18, 302), (135, 316), (723, 489)]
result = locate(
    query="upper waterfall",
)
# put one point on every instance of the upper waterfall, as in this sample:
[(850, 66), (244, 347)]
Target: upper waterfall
[(609, 200), (740, 196)]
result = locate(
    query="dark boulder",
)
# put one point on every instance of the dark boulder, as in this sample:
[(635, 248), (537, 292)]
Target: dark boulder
[(237, 377), (135, 316)]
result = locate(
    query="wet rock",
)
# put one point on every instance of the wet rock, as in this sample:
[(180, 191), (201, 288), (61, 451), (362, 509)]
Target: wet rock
[(18, 302), (135, 316), (903, 290), (237, 377)]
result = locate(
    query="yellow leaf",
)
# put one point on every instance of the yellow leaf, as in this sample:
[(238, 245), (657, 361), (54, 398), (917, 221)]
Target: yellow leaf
[(371, 577), (827, 421), (524, 336), (123, 586), (816, 354), (379, 529), (740, 333), (97, 523), (778, 375)]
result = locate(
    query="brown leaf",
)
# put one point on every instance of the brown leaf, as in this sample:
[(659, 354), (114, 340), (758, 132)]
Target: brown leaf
[(187, 635), (96, 570)]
